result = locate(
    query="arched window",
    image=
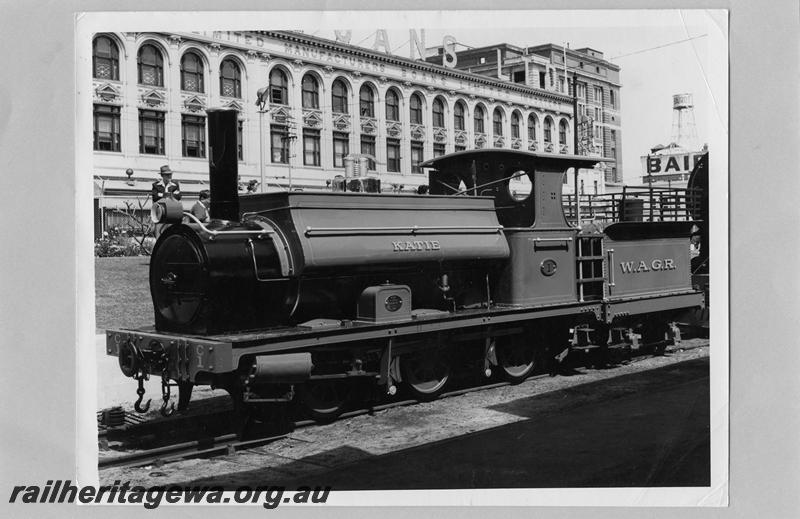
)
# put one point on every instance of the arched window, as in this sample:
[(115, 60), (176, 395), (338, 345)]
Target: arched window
[(515, 125), (562, 132), (392, 106), (548, 130), (532, 122), (191, 73), (497, 122), (366, 101), (458, 116), (230, 79), (478, 119), (278, 87), (105, 58), (415, 109), (310, 92), (151, 66), (339, 97), (438, 113)]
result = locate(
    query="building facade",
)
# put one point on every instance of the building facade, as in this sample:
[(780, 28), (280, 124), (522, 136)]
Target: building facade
[(542, 67), (308, 107)]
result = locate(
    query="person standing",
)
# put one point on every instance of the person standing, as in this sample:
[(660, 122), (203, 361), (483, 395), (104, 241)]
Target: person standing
[(165, 188), (200, 208)]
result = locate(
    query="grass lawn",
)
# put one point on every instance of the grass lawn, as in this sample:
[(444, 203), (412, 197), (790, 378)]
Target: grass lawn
[(122, 293)]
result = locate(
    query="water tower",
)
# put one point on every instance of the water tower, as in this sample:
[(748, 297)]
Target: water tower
[(684, 132)]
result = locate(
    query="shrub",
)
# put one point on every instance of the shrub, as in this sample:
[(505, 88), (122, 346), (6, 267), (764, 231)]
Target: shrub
[(106, 247), (118, 242)]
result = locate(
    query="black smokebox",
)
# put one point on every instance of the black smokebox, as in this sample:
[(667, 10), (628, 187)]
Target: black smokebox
[(223, 163)]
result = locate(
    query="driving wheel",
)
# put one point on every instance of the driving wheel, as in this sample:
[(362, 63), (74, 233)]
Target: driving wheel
[(515, 358), (426, 372), (325, 399)]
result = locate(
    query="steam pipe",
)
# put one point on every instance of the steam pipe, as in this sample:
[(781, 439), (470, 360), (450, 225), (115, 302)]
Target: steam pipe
[(217, 233)]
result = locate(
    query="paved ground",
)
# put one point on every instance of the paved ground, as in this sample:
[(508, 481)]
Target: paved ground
[(644, 424), (649, 432)]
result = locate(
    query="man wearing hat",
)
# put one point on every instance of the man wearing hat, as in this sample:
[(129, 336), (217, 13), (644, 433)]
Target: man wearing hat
[(166, 187)]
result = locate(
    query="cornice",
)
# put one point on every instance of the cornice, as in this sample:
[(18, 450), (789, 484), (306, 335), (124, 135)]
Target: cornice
[(580, 56), (331, 45), (314, 41)]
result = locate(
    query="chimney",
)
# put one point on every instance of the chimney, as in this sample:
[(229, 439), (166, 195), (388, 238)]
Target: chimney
[(223, 163)]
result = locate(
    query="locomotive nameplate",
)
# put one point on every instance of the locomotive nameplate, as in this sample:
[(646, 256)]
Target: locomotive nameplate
[(416, 245)]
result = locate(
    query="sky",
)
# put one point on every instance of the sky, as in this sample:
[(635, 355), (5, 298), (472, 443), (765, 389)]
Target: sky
[(660, 53)]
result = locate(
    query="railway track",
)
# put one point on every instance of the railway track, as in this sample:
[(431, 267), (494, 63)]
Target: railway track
[(230, 443)]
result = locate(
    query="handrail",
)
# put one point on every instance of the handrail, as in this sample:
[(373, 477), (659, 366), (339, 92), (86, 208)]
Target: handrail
[(217, 233), (660, 204), (311, 231), (610, 253), (552, 239)]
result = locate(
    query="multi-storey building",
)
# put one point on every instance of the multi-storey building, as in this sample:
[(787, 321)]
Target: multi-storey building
[(306, 105), (542, 67)]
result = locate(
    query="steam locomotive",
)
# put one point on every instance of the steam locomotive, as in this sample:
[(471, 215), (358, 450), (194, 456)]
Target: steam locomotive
[(300, 295)]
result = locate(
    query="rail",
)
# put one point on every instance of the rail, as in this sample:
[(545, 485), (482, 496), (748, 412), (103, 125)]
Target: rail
[(635, 203)]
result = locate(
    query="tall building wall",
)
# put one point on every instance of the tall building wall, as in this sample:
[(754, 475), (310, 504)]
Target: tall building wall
[(127, 106), (599, 96), (542, 67)]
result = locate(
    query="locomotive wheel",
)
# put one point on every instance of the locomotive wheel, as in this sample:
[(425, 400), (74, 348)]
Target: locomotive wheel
[(426, 373), (516, 358), (325, 399)]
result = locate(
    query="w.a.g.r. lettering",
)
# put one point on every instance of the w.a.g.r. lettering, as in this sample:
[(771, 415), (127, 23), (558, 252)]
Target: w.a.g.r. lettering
[(632, 267)]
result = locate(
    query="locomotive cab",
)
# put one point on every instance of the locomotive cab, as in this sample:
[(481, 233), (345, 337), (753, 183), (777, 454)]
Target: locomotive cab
[(527, 189)]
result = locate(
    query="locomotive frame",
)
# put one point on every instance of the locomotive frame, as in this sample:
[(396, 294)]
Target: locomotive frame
[(550, 288)]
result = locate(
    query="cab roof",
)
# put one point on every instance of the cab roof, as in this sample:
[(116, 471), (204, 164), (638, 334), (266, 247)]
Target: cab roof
[(554, 161)]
